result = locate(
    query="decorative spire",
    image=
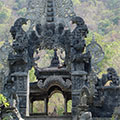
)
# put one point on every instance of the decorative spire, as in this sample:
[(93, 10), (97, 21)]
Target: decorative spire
[(96, 52), (47, 11), (50, 11)]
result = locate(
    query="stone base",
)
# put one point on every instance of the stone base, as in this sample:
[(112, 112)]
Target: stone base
[(48, 118), (58, 118)]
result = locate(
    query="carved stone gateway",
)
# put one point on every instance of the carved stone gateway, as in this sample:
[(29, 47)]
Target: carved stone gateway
[(76, 79)]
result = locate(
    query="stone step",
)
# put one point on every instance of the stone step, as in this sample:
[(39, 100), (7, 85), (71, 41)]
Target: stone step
[(58, 118), (48, 118)]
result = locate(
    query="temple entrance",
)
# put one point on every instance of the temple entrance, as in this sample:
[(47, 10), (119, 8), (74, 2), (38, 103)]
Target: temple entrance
[(52, 101)]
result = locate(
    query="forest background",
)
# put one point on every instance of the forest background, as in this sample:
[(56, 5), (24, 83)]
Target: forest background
[(103, 20)]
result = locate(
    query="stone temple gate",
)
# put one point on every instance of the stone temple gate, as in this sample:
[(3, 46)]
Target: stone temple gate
[(77, 79)]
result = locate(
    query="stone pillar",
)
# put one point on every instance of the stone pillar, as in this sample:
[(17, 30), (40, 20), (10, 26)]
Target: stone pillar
[(1, 84), (78, 81), (31, 107), (28, 99), (46, 106), (22, 90)]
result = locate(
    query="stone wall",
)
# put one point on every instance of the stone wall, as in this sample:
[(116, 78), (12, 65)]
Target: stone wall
[(111, 101)]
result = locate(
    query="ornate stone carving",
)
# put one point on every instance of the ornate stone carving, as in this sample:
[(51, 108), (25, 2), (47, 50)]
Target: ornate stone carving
[(38, 13), (21, 41), (22, 101), (21, 83), (84, 96), (50, 18), (110, 76), (97, 54), (4, 69), (79, 60), (92, 81), (83, 107), (80, 64), (54, 80)]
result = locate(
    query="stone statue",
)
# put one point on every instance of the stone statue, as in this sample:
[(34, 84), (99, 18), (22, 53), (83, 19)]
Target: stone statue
[(84, 94), (84, 99), (80, 61), (110, 76), (55, 60), (19, 35)]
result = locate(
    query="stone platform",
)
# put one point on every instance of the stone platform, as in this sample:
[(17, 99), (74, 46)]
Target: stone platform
[(49, 118), (58, 118)]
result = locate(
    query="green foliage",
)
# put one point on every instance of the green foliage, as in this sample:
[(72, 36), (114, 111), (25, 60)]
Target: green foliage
[(98, 38), (69, 106), (38, 107), (103, 26), (111, 50), (19, 3), (21, 12), (76, 1), (112, 4), (60, 110), (5, 14), (113, 118), (56, 101), (3, 100), (8, 117), (116, 20), (1, 4), (32, 77)]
